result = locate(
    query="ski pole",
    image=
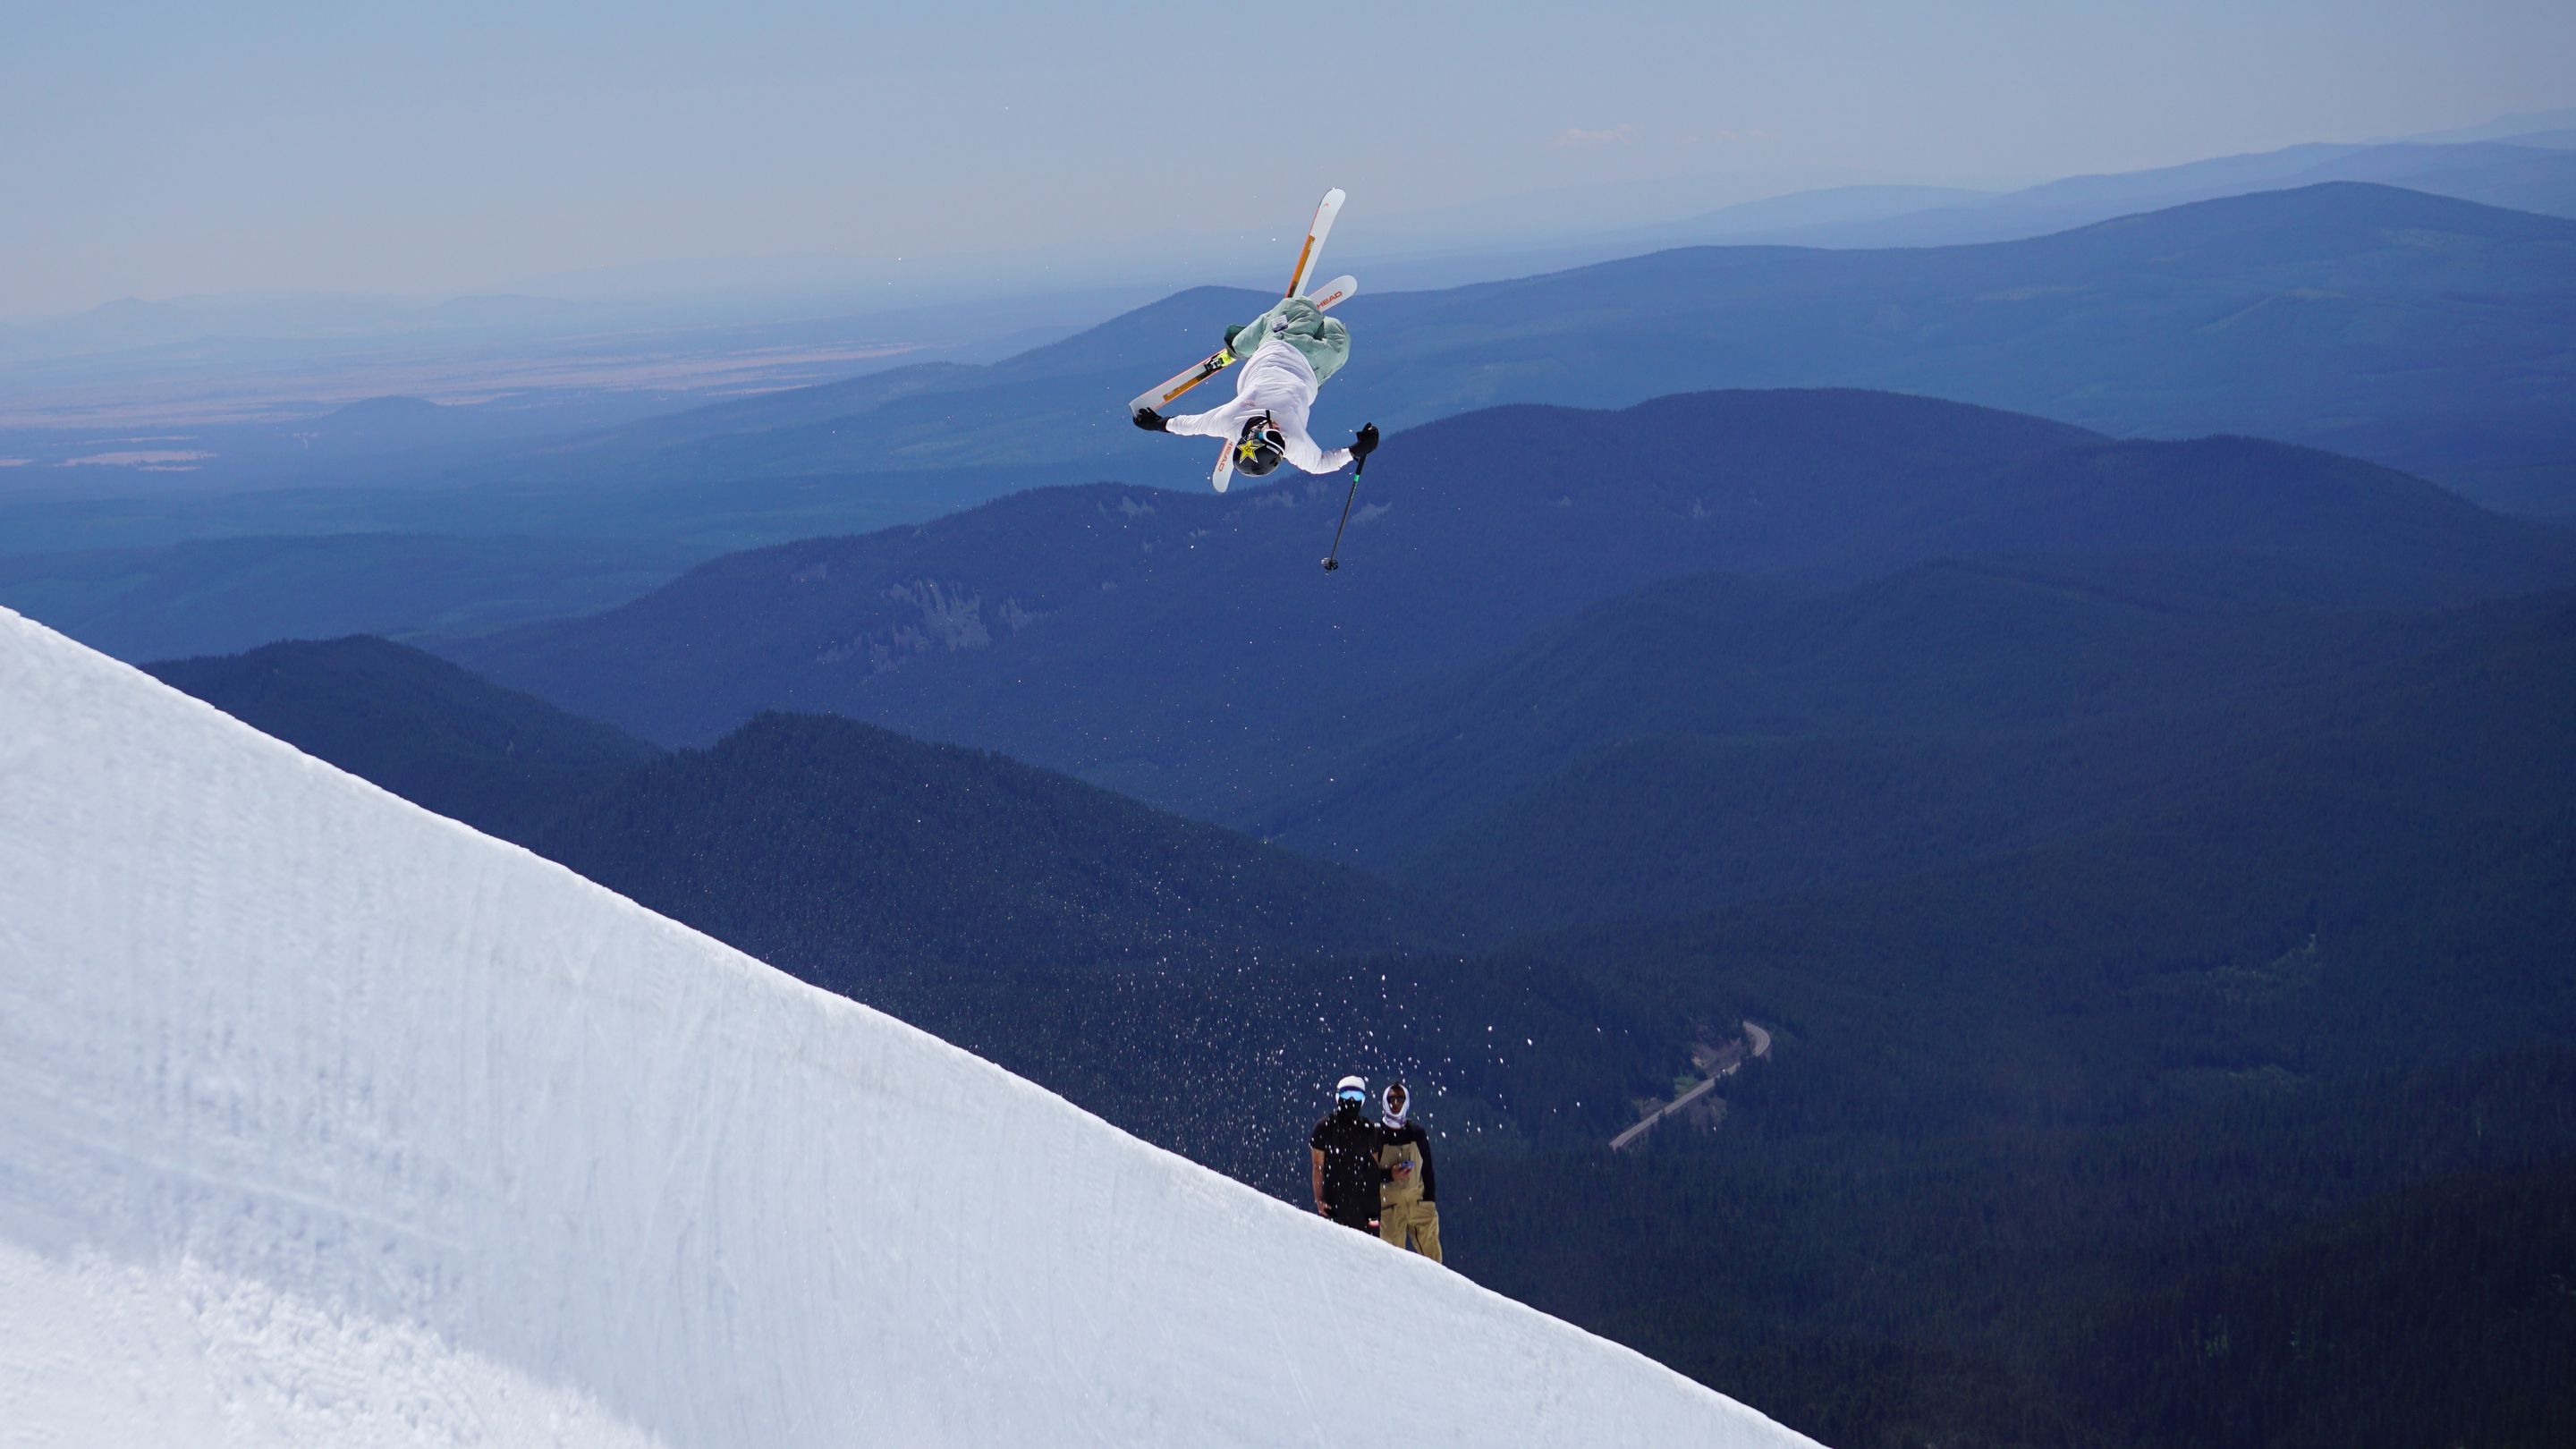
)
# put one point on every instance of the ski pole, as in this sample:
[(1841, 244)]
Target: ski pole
[(1333, 559)]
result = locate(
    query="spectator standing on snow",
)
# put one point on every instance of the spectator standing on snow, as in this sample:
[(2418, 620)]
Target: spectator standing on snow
[(1343, 1151), (1408, 1205)]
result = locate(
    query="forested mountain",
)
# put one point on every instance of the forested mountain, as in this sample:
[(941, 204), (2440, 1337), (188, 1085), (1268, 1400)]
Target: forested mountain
[(2299, 896), (2070, 1147), (1708, 739), (1182, 648), (800, 830), (444, 739), (2386, 881)]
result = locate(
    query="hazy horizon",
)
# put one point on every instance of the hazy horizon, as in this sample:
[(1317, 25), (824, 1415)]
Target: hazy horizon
[(484, 149)]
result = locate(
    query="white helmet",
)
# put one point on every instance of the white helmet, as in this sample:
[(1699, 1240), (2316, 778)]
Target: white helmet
[(1353, 1089)]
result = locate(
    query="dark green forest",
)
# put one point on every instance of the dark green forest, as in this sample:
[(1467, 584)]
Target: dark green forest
[(2261, 1262)]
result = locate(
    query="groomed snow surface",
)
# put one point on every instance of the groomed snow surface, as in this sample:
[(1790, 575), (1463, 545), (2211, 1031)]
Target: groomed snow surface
[(326, 1121)]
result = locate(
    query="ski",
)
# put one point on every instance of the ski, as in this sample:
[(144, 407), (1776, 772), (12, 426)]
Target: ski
[(1325, 298), (1182, 381), (1338, 289), (1333, 293), (1313, 250)]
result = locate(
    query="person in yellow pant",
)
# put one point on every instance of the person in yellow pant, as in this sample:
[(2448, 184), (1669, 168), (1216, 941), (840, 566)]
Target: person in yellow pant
[(1408, 1198)]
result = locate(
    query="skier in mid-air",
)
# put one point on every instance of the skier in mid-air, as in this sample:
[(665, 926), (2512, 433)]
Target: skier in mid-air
[(1296, 348)]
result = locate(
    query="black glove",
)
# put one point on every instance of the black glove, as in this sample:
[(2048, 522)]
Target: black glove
[(1365, 443), (1231, 333), (1151, 421)]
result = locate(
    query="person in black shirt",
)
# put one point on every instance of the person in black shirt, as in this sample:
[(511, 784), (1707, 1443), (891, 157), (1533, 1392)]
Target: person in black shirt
[(1343, 1148)]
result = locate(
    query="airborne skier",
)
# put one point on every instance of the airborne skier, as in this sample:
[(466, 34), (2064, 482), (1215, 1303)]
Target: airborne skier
[(1293, 348), (1298, 348)]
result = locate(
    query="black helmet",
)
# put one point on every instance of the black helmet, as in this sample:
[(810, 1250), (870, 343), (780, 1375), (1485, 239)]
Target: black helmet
[(1259, 448)]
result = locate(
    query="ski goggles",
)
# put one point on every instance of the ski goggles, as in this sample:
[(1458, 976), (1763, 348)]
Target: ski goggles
[(1353, 1094)]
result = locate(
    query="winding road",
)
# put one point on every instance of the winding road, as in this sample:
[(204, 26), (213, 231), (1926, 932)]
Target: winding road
[(1760, 1043)]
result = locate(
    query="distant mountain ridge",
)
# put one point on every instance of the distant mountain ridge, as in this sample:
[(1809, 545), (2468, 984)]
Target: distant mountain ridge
[(2518, 173), (1184, 648), (218, 595), (2413, 330), (499, 760), (2322, 315)]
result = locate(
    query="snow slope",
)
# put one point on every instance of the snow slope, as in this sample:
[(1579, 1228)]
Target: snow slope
[(324, 1120)]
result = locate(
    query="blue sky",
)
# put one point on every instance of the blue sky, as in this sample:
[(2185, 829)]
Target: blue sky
[(170, 150)]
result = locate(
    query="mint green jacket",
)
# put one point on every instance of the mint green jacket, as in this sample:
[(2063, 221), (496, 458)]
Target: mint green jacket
[(1323, 341)]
